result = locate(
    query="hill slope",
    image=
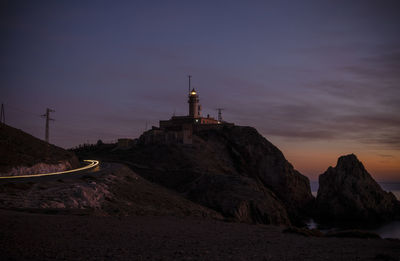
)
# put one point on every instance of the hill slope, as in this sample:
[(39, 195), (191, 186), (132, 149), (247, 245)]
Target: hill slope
[(112, 190), (21, 153)]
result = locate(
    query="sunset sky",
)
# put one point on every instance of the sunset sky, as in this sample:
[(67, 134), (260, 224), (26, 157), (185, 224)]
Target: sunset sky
[(319, 79)]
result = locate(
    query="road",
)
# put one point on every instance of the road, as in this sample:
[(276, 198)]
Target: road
[(93, 166)]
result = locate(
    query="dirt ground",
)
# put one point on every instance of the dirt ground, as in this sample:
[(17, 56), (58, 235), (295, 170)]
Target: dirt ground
[(28, 236)]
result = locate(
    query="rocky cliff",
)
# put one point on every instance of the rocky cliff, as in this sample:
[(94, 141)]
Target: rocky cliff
[(348, 195), (233, 170), (22, 154)]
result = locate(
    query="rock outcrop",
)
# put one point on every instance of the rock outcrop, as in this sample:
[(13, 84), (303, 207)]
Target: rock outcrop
[(240, 198), (249, 155), (348, 195), (231, 169)]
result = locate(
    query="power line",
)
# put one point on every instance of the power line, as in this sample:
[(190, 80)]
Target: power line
[(47, 116)]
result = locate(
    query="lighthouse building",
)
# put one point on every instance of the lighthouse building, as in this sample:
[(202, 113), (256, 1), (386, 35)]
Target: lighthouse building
[(193, 118), (180, 129)]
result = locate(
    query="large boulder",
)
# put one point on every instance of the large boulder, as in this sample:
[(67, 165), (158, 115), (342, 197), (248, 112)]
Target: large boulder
[(231, 169), (348, 195)]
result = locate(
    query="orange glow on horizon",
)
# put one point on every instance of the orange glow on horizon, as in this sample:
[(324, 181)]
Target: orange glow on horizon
[(314, 158)]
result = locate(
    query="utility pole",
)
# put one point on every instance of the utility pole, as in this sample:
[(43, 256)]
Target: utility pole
[(220, 114), (2, 115), (47, 116), (189, 76)]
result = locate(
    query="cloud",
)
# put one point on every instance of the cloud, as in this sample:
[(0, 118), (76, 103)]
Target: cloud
[(386, 156), (358, 101)]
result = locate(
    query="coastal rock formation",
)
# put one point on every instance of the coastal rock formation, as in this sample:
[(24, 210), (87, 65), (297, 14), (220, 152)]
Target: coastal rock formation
[(231, 169), (255, 157), (22, 154), (348, 194)]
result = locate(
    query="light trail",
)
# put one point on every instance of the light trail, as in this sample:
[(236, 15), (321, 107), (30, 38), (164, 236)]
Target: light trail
[(93, 163)]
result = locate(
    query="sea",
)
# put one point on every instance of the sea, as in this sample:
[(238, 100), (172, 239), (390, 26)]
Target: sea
[(388, 230)]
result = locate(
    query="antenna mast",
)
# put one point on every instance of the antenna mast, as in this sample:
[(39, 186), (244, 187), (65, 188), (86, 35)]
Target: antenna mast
[(220, 114), (47, 116), (189, 76)]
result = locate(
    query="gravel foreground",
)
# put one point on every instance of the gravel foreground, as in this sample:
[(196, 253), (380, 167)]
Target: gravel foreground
[(28, 236)]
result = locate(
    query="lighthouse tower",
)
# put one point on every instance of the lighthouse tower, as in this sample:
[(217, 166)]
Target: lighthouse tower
[(194, 106), (182, 127)]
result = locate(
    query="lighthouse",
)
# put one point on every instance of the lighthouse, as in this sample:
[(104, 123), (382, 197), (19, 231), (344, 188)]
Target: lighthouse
[(185, 124), (194, 106)]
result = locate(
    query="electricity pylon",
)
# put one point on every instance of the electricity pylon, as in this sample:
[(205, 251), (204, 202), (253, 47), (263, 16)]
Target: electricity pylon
[(47, 116)]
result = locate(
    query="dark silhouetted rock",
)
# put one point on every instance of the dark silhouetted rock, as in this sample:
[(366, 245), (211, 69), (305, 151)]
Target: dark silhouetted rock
[(231, 169), (255, 157), (348, 195), (238, 197)]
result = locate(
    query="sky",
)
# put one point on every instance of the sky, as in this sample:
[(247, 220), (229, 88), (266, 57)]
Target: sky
[(319, 79)]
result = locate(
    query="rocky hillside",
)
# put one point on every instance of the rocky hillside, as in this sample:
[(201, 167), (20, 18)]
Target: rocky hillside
[(348, 194), (22, 153), (233, 170), (114, 190)]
